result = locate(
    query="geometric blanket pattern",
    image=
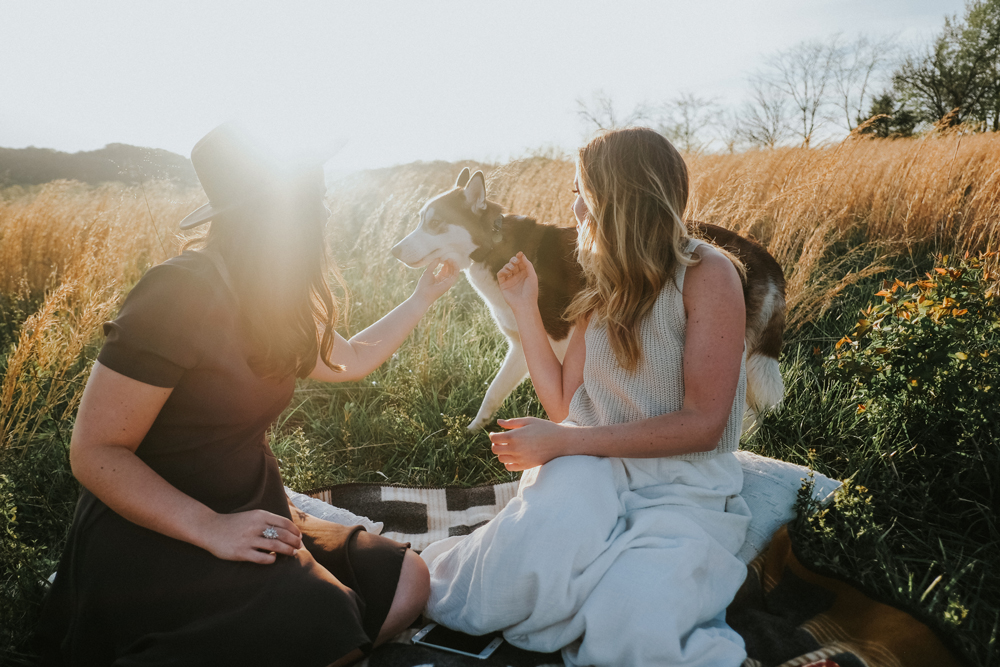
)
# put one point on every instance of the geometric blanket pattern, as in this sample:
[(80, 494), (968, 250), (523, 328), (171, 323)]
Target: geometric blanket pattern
[(420, 515)]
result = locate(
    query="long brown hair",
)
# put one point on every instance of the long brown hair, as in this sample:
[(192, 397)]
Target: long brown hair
[(274, 253), (635, 185)]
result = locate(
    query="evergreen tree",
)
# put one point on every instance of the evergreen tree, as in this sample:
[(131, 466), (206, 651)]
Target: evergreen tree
[(894, 119)]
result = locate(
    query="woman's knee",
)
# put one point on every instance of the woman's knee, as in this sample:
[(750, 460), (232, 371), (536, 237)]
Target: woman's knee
[(586, 485), (576, 477), (417, 581), (411, 595)]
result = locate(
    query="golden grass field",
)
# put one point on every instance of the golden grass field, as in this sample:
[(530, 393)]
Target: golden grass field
[(832, 216)]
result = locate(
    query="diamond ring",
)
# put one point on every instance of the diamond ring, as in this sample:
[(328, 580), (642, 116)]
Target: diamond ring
[(271, 533)]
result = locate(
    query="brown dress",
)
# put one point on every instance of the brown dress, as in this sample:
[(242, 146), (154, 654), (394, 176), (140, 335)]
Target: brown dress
[(126, 595)]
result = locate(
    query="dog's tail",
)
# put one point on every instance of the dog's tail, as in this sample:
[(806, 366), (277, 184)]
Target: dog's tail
[(765, 334)]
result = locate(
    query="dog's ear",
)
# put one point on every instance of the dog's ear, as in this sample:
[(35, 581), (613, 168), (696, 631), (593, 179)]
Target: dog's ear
[(475, 192), (463, 178)]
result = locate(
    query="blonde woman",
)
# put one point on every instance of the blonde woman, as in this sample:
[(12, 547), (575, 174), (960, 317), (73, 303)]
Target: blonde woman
[(620, 546), (184, 550)]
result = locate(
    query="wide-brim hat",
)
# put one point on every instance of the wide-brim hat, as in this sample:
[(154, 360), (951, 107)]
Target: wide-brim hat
[(236, 172)]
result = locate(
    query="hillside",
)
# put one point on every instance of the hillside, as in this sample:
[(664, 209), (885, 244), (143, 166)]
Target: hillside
[(115, 162)]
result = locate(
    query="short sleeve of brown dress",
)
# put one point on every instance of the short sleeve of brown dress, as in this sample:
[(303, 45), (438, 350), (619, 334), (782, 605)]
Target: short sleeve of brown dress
[(125, 595)]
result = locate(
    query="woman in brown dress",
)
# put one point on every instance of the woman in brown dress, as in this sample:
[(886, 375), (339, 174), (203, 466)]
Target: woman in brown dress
[(184, 549)]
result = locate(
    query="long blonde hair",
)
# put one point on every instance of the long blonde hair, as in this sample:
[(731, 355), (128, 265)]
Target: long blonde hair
[(635, 185)]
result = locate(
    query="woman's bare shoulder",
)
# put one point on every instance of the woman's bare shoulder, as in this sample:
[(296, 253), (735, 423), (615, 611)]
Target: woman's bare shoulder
[(712, 262), (713, 275)]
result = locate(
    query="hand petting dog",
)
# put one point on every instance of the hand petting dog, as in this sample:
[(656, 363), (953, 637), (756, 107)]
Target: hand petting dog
[(519, 283), (529, 441), (436, 280)]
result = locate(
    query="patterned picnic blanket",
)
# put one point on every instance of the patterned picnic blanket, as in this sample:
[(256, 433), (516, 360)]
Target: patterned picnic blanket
[(788, 615)]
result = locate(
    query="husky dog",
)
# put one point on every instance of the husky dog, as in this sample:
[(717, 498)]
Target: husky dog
[(463, 227)]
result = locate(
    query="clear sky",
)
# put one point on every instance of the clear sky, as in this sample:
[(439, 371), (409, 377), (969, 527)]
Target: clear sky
[(403, 81)]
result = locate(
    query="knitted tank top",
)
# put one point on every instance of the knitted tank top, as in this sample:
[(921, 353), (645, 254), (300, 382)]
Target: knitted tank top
[(611, 395)]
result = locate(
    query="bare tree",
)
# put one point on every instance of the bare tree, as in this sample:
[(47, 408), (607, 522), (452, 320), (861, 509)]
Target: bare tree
[(684, 120), (729, 130), (858, 72), (804, 73), (763, 120), (599, 113)]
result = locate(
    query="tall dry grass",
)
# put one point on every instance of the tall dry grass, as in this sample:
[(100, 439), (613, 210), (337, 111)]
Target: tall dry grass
[(938, 190), (831, 216), (68, 254), (45, 233), (73, 251), (815, 209)]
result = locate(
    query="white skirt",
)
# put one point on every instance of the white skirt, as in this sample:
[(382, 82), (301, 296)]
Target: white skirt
[(614, 561)]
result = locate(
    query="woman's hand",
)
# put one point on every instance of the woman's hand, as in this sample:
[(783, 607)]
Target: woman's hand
[(530, 442), (240, 536), (518, 283), (368, 349), (434, 282)]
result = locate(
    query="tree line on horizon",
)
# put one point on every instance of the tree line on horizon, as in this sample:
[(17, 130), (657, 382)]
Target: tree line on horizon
[(820, 89), (123, 163)]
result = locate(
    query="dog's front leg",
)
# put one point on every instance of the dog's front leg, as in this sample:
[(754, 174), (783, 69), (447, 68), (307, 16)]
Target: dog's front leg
[(513, 371)]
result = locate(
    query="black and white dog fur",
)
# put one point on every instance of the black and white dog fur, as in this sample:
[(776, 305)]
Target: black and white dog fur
[(463, 227)]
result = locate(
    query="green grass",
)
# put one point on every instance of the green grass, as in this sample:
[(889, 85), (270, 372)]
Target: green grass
[(37, 500), (405, 423)]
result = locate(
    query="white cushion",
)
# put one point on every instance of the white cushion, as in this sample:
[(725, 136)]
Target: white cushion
[(770, 488), (328, 512)]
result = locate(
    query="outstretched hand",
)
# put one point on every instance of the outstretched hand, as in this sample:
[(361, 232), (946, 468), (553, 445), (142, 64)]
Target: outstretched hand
[(529, 442), (518, 283), (241, 537), (436, 279)]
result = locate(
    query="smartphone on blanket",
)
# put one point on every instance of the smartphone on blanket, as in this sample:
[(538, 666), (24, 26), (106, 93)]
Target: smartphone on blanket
[(446, 639)]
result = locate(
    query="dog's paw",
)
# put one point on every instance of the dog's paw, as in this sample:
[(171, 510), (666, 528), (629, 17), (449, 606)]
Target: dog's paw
[(478, 424)]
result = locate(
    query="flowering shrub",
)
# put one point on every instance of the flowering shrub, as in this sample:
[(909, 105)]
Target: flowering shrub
[(925, 367), (927, 359)]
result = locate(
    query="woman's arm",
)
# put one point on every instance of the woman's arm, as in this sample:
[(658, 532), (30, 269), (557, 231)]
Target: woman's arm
[(368, 349), (713, 301), (554, 382), (115, 414)]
